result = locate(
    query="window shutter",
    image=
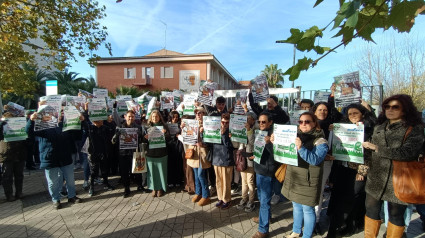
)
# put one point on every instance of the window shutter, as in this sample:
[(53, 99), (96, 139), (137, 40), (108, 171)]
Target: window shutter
[(172, 72), (162, 72), (152, 72), (143, 72), (133, 73), (125, 73)]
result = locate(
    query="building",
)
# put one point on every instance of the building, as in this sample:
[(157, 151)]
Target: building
[(163, 69)]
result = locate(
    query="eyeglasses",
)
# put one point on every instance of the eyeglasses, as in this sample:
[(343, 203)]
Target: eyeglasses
[(261, 122), (225, 122), (392, 107), (302, 122)]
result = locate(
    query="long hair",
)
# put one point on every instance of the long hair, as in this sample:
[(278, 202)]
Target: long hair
[(410, 117), (313, 117), (357, 106), (314, 108), (161, 119), (171, 115)]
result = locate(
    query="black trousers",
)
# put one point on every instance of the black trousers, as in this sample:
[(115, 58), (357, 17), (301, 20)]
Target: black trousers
[(97, 161), (13, 172), (395, 211), (125, 162)]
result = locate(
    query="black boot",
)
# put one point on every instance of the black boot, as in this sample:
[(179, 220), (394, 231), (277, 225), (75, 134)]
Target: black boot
[(91, 190), (126, 192)]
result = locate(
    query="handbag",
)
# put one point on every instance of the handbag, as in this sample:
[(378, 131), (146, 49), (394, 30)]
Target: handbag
[(139, 162), (189, 153), (409, 179), (240, 161), (280, 173), (209, 157)]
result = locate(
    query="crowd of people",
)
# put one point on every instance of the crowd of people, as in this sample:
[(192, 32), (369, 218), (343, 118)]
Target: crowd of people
[(203, 169)]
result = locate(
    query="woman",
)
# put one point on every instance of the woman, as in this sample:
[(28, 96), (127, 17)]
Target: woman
[(175, 151), (157, 157), (223, 164), (200, 164), (348, 194), (302, 183), (391, 141)]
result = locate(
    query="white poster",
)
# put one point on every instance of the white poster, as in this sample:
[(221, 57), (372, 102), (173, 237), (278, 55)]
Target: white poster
[(237, 128), (189, 103), (206, 93), (259, 145), (212, 127), (190, 131), (167, 100), (241, 99), (121, 103), (97, 109), (100, 92), (174, 128), (48, 112), (156, 137), (321, 96), (260, 88), (14, 129), (347, 142), (189, 80), (128, 138), (294, 116), (71, 119), (284, 148), (347, 89)]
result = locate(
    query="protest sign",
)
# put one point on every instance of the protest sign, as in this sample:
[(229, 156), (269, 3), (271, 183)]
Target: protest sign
[(156, 137), (347, 89), (71, 119), (206, 93), (128, 138), (77, 102), (151, 106), (259, 145), (48, 112), (347, 142), (143, 100), (174, 128), (100, 92), (212, 127), (241, 98), (167, 100), (189, 103), (14, 129), (97, 109), (237, 128), (321, 96), (260, 88), (190, 131), (135, 107), (294, 116), (178, 97), (121, 104), (16, 109), (284, 149), (85, 94), (110, 105)]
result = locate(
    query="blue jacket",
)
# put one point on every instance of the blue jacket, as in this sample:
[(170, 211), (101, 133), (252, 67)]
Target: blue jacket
[(223, 153), (55, 146)]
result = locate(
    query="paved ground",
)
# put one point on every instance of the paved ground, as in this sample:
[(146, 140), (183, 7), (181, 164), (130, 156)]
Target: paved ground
[(110, 215)]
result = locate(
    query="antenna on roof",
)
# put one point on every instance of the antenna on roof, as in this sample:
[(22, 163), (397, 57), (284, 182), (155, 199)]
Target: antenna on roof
[(165, 34)]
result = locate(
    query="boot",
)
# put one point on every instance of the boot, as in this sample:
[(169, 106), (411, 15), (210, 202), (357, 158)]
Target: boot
[(394, 231), (371, 227)]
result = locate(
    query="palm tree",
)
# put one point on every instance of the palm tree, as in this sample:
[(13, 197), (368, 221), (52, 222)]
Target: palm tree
[(274, 76), (123, 90), (68, 82)]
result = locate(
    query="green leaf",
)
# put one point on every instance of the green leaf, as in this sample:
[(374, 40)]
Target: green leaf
[(352, 20), (317, 3), (312, 32), (337, 21), (294, 71), (403, 14), (296, 35)]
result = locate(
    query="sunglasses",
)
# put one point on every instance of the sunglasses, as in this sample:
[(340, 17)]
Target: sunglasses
[(302, 122), (225, 122), (261, 122), (393, 107)]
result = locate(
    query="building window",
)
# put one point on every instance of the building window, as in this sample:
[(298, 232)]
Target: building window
[(129, 73), (166, 72), (147, 72)]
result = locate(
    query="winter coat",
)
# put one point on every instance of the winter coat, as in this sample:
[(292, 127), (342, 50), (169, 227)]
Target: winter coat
[(303, 183), (223, 153), (389, 139), (267, 166), (13, 150)]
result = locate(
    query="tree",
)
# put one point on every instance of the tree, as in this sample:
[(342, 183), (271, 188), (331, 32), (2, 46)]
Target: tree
[(274, 76), (54, 31), (399, 66), (354, 19), (68, 82)]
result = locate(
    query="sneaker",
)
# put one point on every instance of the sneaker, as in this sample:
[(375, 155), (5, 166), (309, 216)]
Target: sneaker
[(250, 206), (275, 199), (91, 191), (219, 203), (86, 185), (204, 201), (74, 200), (293, 235), (126, 193), (196, 198), (64, 193), (241, 205), (57, 205), (226, 205)]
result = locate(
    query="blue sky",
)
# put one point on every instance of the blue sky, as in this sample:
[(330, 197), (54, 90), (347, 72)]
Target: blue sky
[(240, 33)]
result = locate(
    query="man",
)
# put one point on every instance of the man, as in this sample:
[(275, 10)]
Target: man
[(306, 104), (265, 173), (56, 150), (279, 116)]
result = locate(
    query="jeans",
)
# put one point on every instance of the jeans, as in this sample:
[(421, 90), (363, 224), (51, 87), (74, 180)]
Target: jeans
[(306, 214), (201, 182), (264, 192), (55, 177), (407, 214), (86, 167)]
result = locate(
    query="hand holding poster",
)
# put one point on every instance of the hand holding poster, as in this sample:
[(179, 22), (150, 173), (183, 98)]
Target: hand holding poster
[(77, 102), (135, 107), (167, 100), (151, 106), (121, 105), (206, 93), (143, 100), (347, 142), (241, 99), (189, 103), (14, 129), (178, 97), (48, 112), (71, 119), (237, 128), (284, 148), (347, 89), (97, 109), (260, 88), (156, 137), (259, 145), (212, 126), (190, 131), (85, 94), (128, 138), (16, 109)]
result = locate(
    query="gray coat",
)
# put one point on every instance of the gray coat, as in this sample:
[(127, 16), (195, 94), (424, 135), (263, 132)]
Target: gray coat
[(391, 147)]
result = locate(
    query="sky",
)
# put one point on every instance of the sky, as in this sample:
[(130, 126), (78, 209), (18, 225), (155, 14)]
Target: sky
[(240, 33)]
